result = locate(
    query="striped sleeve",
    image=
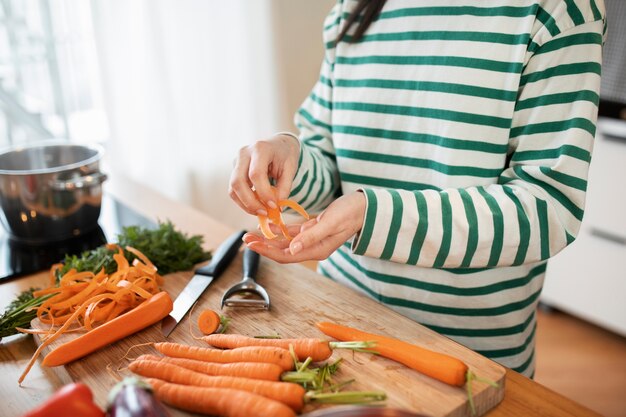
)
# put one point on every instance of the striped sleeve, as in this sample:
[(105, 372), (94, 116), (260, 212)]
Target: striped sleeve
[(316, 182), (536, 207)]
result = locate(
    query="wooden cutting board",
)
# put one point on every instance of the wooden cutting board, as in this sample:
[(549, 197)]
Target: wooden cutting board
[(299, 299)]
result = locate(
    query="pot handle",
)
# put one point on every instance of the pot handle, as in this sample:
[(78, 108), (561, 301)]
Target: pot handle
[(87, 181)]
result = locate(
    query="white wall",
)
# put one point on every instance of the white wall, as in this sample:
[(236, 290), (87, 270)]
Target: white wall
[(299, 50), (187, 83)]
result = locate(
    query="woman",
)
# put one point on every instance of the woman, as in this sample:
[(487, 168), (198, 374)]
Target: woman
[(452, 140)]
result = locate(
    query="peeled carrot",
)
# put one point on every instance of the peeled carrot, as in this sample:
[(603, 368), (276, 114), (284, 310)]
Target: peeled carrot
[(253, 370), (209, 321), (317, 349), (274, 215), (147, 313), (278, 356), (286, 392), (437, 365), (224, 402)]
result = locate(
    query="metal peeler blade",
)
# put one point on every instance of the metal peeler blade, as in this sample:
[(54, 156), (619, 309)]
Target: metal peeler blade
[(247, 293)]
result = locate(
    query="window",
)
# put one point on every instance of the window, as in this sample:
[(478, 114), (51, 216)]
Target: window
[(49, 81)]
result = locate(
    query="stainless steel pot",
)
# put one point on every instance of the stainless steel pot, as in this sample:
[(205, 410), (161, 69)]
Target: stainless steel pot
[(50, 191)]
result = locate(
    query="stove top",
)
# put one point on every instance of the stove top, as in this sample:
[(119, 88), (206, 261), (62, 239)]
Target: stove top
[(18, 259)]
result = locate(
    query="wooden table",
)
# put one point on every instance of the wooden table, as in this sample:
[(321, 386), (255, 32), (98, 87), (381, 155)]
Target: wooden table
[(523, 396)]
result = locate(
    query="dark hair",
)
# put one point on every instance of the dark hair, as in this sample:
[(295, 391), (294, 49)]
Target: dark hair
[(365, 12)]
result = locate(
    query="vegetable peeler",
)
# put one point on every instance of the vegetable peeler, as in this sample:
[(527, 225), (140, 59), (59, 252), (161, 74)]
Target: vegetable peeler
[(247, 293)]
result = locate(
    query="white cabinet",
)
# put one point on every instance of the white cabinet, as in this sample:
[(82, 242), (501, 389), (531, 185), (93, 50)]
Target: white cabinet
[(588, 278)]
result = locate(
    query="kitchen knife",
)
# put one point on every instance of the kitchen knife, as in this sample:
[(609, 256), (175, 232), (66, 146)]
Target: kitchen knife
[(202, 278)]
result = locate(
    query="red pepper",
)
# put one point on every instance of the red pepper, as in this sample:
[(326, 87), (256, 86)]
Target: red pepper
[(74, 400)]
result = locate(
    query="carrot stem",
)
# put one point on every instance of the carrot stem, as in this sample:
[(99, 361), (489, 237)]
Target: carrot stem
[(356, 346), (470, 378), (305, 364), (346, 397)]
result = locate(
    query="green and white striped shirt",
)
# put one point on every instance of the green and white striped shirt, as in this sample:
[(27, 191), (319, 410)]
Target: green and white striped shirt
[(469, 127)]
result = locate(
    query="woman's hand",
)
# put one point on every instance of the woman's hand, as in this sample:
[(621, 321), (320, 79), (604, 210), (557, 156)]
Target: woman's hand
[(275, 158), (317, 238)]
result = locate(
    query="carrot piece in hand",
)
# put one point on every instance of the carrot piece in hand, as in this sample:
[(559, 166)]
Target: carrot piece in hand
[(274, 215), (225, 402), (265, 227), (209, 321), (437, 365)]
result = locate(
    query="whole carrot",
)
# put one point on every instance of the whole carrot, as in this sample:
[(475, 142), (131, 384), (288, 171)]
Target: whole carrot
[(316, 349), (254, 370), (437, 365), (145, 314), (279, 356), (286, 392), (223, 402)]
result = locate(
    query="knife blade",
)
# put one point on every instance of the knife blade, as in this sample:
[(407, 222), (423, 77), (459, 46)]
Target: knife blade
[(201, 280)]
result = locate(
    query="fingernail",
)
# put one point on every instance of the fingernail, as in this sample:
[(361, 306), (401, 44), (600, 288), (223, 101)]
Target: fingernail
[(261, 212), (271, 204), (295, 247)]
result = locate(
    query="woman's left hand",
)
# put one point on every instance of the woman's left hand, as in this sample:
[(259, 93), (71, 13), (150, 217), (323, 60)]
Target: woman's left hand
[(317, 238)]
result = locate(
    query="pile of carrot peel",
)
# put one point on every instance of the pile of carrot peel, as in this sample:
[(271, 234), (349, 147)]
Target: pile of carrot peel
[(90, 298), (82, 301)]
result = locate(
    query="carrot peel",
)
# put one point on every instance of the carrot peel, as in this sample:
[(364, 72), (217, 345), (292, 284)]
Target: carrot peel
[(274, 216)]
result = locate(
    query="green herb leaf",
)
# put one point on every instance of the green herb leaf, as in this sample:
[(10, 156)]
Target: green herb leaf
[(169, 249), (20, 312)]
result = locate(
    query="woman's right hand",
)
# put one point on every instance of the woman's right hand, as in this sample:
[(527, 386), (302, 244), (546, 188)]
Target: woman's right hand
[(275, 158)]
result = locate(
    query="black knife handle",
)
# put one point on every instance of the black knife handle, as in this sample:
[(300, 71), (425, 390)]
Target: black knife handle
[(222, 255), (250, 263)]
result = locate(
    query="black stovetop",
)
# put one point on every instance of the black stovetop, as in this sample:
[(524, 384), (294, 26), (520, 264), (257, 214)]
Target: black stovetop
[(18, 259)]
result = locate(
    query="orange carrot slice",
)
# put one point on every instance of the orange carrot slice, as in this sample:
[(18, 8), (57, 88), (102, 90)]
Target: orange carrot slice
[(209, 321)]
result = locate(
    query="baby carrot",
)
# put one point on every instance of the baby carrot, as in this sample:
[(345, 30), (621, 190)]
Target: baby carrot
[(270, 354), (437, 365), (224, 402), (286, 392), (209, 321), (145, 314), (316, 349), (254, 370)]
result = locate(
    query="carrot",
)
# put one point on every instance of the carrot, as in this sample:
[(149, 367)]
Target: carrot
[(49, 340), (223, 402), (209, 321), (142, 316), (286, 392), (278, 356), (437, 365), (316, 349), (274, 216), (253, 370)]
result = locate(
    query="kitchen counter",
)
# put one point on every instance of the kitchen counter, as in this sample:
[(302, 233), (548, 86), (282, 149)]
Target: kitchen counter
[(522, 397)]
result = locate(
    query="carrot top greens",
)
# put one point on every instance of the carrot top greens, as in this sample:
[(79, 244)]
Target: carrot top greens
[(169, 249)]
